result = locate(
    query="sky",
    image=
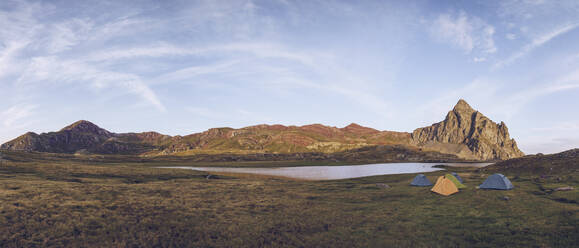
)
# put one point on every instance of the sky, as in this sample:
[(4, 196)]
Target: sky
[(181, 67)]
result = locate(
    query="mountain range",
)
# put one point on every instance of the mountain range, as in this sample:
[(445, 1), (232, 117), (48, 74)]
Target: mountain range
[(465, 133)]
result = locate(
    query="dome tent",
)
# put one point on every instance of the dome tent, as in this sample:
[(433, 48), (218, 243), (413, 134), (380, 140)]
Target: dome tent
[(421, 180), (457, 177), (455, 181), (497, 181), (444, 186)]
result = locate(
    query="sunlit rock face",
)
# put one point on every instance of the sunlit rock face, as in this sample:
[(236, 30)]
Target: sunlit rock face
[(469, 134)]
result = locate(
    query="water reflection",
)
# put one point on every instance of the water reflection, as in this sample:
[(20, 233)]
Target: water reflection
[(337, 172)]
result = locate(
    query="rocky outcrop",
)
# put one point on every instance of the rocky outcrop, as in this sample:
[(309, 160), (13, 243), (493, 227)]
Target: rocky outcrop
[(469, 134)]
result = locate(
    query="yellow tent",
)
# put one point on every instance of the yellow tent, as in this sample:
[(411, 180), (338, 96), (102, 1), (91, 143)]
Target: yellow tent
[(444, 186)]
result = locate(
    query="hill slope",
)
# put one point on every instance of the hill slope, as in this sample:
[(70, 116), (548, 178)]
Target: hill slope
[(84, 136), (464, 133), (566, 162)]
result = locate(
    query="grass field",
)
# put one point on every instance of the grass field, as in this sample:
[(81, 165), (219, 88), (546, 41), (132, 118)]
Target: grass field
[(62, 202)]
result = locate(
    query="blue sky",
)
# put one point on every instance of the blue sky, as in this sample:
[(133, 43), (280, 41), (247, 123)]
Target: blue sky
[(180, 67)]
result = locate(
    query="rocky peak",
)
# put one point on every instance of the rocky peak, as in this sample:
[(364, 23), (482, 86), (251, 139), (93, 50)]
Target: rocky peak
[(83, 126), (470, 133), (462, 107)]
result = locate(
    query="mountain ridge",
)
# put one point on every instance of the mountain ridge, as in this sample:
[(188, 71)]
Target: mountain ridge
[(464, 132)]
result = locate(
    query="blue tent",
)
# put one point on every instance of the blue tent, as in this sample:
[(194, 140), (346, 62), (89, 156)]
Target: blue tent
[(457, 177), (421, 180), (497, 181)]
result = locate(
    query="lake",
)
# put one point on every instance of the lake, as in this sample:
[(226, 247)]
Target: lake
[(336, 172)]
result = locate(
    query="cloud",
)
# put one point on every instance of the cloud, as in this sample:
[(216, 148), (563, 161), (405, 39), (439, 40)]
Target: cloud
[(564, 83), (517, 100), (190, 73), (469, 33), (563, 126), (479, 59), (511, 36), (536, 43), (257, 49), (547, 144), (19, 28), (253, 59), (65, 35), (476, 93), (8, 62), (41, 70), (557, 137), (13, 116), (205, 113), (493, 96), (32, 43), (248, 117)]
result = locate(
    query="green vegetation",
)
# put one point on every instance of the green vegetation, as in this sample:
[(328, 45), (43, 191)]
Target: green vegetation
[(113, 202)]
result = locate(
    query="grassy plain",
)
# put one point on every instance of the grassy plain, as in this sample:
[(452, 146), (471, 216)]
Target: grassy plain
[(64, 202)]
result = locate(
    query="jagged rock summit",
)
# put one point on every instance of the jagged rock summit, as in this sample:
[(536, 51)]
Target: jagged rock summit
[(469, 134)]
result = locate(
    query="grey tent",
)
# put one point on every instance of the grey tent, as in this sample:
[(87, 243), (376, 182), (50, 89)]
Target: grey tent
[(457, 177), (421, 180), (497, 181)]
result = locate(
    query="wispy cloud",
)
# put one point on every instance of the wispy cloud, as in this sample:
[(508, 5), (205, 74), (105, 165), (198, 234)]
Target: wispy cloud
[(511, 36), (469, 33), (547, 144), (478, 92), (564, 126), (204, 112), (13, 117), (495, 97), (518, 100), (238, 114), (536, 43), (41, 71), (258, 49), (31, 48), (244, 60), (229, 58), (66, 34), (8, 64), (479, 59)]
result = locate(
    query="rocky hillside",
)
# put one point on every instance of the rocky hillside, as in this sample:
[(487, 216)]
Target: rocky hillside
[(465, 133), (566, 162), (469, 134), (86, 137), (282, 139)]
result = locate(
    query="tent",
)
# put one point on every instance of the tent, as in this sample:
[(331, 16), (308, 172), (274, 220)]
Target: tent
[(497, 181), (421, 180), (455, 181), (457, 177), (444, 186)]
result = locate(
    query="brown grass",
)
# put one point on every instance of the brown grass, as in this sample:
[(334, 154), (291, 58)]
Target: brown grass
[(74, 204)]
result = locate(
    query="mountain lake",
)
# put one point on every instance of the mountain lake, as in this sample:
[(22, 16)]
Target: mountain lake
[(336, 172)]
